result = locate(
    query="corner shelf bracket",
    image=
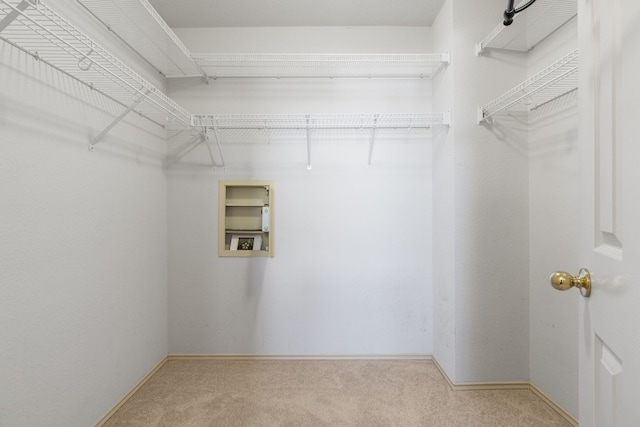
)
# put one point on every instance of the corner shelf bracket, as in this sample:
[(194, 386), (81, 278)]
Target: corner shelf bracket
[(137, 100)]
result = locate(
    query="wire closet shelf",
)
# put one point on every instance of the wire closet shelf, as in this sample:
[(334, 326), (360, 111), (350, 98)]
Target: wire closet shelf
[(530, 26), (548, 85), (321, 121), (140, 26), (260, 128), (254, 65), (35, 28)]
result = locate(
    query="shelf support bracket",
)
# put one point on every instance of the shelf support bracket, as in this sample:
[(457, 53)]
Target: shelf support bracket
[(373, 138), (11, 16), (206, 141), (308, 143), (480, 115), (138, 99), (184, 149), (216, 136)]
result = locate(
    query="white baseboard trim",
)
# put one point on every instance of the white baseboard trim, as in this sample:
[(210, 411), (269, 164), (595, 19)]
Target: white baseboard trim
[(516, 385), (299, 357), (130, 393), (567, 416)]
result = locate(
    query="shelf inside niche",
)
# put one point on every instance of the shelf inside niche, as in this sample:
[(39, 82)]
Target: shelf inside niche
[(241, 217), (530, 26)]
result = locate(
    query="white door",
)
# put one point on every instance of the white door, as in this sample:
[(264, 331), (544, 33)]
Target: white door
[(610, 140)]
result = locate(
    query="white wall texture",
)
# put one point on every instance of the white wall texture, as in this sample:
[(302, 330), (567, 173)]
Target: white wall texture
[(483, 208), (444, 321), (83, 248), (352, 270), (531, 175), (307, 39), (553, 195), (88, 305)]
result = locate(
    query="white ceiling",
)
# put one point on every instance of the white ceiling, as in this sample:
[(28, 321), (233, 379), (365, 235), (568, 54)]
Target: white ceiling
[(276, 13)]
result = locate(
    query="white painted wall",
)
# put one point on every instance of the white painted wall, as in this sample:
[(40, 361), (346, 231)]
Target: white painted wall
[(486, 198), (352, 269), (444, 171), (554, 232), (83, 248), (84, 235), (494, 211), (307, 39)]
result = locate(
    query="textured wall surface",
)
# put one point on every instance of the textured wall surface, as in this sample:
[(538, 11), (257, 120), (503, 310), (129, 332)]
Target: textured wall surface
[(83, 249), (553, 194), (438, 247), (352, 269), (482, 210), (444, 171)]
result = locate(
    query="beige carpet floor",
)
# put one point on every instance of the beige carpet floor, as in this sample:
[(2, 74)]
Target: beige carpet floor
[(300, 393)]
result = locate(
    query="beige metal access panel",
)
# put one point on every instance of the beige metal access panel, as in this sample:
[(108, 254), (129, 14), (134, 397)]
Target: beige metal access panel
[(245, 218)]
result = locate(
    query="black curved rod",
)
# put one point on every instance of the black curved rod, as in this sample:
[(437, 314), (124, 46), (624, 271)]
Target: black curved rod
[(510, 12)]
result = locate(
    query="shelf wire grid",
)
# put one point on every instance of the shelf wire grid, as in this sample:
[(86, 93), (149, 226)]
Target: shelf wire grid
[(530, 26), (254, 65), (549, 84), (232, 129), (44, 34), (140, 26), (320, 121)]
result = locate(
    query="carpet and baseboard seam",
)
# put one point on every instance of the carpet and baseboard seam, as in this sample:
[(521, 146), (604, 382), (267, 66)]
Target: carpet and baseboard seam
[(131, 392), (299, 357), (517, 385), (524, 385)]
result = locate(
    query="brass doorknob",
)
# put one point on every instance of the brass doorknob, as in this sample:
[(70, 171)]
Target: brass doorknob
[(562, 281)]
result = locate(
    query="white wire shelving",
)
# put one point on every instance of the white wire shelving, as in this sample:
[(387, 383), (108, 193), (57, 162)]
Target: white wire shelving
[(548, 85), (138, 24), (321, 121), (530, 26), (304, 127), (254, 65), (33, 27)]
